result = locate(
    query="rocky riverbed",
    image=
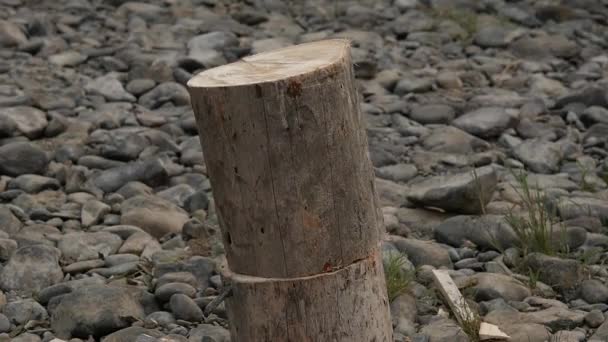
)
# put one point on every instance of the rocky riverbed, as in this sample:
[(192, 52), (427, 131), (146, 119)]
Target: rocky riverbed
[(487, 123)]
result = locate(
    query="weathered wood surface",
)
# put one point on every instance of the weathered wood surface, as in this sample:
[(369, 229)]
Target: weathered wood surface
[(461, 310), (287, 157), (452, 295), (490, 332), (286, 152), (345, 305)]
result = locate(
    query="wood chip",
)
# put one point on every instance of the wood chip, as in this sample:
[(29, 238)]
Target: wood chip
[(452, 295), (490, 332)]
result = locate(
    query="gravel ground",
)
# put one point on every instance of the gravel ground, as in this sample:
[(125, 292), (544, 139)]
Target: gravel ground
[(482, 116)]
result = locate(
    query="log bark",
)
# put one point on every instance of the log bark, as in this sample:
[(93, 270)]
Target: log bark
[(287, 157), (343, 305), (286, 153)]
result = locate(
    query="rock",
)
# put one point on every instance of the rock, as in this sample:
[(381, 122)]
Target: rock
[(22, 311), (95, 310), (177, 194), (211, 333), (36, 234), (564, 274), (492, 285), (7, 247), (140, 86), (68, 58), (117, 259), (444, 330), (165, 92), (397, 172), (162, 318), (177, 277), (110, 88), (27, 337), (406, 4), (422, 252), (48, 293), (543, 181), (539, 155), (33, 183), (487, 122), (29, 121), (601, 334), (593, 291), (492, 36), (573, 207), (83, 266), (5, 324), (594, 318), (403, 314), (9, 223), (487, 232), (125, 147), (432, 114), (137, 243), (556, 318), (154, 215), (124, 231), (166, 291), (141, 9), (132, 333), (516, 324), (461, 193), (206, 49), (88, 246), (191, 152), (198, 200), (540, 84), (11, 34), (150, 171), (568, 239), (453, 140), (20, 158), (413, 85), (449, 80), (589, 96), (518, 329), (200, 267), (544, 47), (31, 268), (593, 115), (568, 336), (183, 307), (93, 211)]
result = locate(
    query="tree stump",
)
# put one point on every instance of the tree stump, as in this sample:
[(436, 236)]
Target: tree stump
[(287, 157)]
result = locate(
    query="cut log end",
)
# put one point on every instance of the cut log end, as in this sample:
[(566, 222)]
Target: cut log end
[(274, 65)]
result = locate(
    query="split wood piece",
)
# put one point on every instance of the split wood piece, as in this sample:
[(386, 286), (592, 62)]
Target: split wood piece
[(286, 152), (346, 305), (452, 295), (490, 332), (461, 309)]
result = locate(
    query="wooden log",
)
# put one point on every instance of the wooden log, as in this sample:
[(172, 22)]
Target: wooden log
[(286, 152), (337, 306)]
